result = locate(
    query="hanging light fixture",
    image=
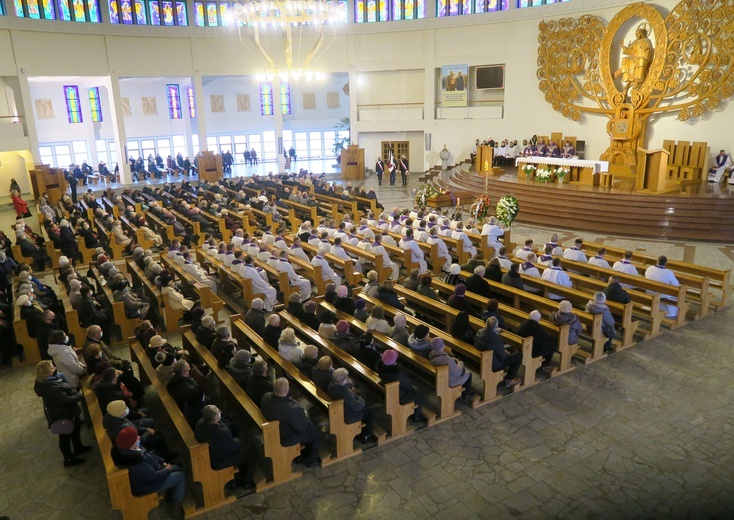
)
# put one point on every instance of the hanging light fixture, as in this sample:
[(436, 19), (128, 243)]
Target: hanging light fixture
[(285, 17)]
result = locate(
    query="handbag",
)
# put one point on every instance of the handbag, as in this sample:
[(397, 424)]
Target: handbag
[(62, 427)]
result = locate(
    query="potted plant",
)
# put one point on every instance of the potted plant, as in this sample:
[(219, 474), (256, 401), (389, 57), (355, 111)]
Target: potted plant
[(561, 173), (543, 175), (341, 142), (528, 170)]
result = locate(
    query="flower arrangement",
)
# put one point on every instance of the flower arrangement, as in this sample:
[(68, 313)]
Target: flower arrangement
[(543, 175), (480, 208), (561, 173), (425, 192), (528, 170), (507, 209)]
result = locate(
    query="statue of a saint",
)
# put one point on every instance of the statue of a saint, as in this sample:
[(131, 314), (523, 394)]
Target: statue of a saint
[(636, 60)]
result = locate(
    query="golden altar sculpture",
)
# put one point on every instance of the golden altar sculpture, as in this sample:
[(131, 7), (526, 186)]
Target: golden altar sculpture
[(585, 67)]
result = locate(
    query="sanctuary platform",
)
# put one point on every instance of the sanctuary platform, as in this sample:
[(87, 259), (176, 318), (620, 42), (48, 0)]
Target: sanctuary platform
[(702, 212)]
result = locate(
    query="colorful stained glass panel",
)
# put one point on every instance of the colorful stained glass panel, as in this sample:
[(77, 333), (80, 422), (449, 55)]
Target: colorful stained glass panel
[(155, 13), (140, 16), (409, 9), (19, 12), (371, 10), (80, 14), (285, 99), (64, 11), (113, 9), (167, 12), (359, 11), (211, 14), (126, 12), (33, 10), (199, 14), (95, 105), (192, 101), (174, 101), (93, 9), (266, 99), (441, 8), (73, 107), (383, 10), (224, 13), (181, 14)]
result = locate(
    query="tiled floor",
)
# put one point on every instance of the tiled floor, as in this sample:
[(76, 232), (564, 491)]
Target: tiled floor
[(646, 433)]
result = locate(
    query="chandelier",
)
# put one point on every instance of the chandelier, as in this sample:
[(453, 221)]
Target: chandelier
[(284, 18)]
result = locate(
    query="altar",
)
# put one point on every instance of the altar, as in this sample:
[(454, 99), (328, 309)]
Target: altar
[(582, 171)]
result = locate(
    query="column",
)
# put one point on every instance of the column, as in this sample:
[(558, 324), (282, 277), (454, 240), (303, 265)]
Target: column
[(200, 117), (350, 11), (431, 6), (278, 116), (22, 93), (118, 127)]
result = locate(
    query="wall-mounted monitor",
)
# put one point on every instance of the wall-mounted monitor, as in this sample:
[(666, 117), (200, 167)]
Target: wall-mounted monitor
[(490, 77)]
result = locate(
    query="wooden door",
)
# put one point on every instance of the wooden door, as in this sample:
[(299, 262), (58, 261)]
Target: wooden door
[(399, 148)]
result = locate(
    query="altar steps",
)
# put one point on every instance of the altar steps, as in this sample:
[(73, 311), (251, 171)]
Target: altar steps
[(702, 217)]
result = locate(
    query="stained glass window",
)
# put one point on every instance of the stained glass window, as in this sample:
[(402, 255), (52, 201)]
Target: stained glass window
[(114, 9), (384, 10), (192, 101), (140, 14), (181, 14), (33, 10), (64, 10), (532, 3), (79, 13), (73, 107), (93, 9), (167, 12), (211, 14), (19, 12), (285, 99), (174, 101), (154, 11), (199, 14), (224, 13), (2, 9), (266, 99), (95, 105)]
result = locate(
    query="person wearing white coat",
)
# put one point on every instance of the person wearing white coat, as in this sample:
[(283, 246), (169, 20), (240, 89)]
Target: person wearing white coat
[(558, 276), (660, 273), (198, 273), (443, 251), (65, 358), (416, 253), (327, 273), (259, 281), (378, 249), (304, 286), (574, 253), (338, 251), (176, 300), (492, 231), (625, 266), (460, 235), (598, 260)]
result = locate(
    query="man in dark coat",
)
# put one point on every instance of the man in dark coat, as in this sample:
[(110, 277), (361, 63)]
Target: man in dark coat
[(182, 383), (295, 426), (224, 449), (477, 284), (389, 371), (542, 345), (488, 338), (259, 383), (355, 408)]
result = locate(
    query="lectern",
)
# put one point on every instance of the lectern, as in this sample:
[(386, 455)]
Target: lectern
[(485, 156), (652, 167), (352, 162), (45, 179), (210, 166)]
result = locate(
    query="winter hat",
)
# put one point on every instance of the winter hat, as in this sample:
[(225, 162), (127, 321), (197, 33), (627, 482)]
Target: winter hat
[(437, 344), (117, 409), (454, 269), (197, 312), (156, 341), (565, 306), (460, 290), (342, 291), (535, 315), (342, 326), (360, 304), (421, 331), (390, 357), (310, 306), (127, 438), (242, 358), (399, 320), (257, 304)]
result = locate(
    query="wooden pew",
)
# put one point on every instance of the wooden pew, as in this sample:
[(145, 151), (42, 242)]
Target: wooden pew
[(53, 253), (19, 258), (370, 204), (383, 273), (118, 250), (344, 433), (208, 299), (164, 230), (212, 481), (340, 206), (640, 282), (193, 227), (530, 363), (514, 317), (130, 202), (137, 232), (72, 318), (87, 253), (310, 212), (112, 209), (30, 345), (126, 325), (138, 278), (579, 299), (389, 392), (281, 457), (345, 266), (118, 480), (229, 278), (309, 272), (719, 279)]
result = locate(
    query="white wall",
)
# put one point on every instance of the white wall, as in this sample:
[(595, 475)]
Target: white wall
[(29, 48)]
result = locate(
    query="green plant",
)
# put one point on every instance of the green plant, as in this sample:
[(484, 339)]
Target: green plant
[(341, 142)]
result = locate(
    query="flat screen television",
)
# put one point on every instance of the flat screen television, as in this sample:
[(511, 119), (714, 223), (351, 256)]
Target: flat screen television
[(490, 77)]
